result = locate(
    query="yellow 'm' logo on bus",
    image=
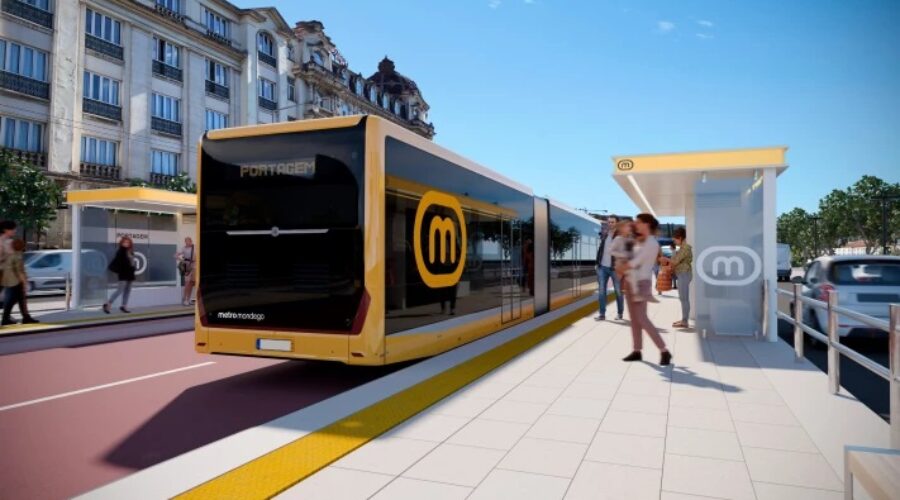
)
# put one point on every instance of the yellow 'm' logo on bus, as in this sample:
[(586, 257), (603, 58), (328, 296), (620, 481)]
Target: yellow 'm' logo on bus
[(441, 238)]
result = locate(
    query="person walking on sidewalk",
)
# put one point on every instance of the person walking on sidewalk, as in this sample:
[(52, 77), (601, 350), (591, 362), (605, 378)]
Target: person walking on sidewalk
[(646, 250), (14, 281), (605, 266), (7, 234), (682, 263), (186, 259), (123, 265)]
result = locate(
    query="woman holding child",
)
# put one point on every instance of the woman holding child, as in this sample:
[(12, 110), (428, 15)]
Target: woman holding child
[(638, 269)]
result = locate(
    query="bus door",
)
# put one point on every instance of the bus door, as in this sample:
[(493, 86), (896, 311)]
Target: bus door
[(512, 275)]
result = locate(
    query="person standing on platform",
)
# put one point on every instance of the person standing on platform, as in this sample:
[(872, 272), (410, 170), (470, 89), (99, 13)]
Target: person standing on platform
[(605, 269), (682, 263), (646, 250), (123, 265), (186, 260)]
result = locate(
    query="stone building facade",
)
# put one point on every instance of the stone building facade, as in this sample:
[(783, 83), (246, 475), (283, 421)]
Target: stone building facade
[(98, 92)]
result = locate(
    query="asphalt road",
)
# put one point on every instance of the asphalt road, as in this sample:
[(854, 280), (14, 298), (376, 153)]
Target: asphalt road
[(75, 418), (869, 388)]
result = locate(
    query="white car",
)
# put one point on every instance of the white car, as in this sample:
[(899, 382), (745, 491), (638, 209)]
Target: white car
[(47, 269), (867, 284)]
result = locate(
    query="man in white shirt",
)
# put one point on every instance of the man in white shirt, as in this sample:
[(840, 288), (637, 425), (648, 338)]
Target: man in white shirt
[(605, 266)]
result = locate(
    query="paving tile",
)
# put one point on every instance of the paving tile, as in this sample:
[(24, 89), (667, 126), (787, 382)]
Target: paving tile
[(542, 456), (808, 470), (462, 406), (769, 491), (590, 390), (625, 422), (707, 477), (519, 486), (404, 488), (579, 407), (562, 428), (514, 411), (757, 396), (644, 387), (560, 381), (627, 449), (428, 426), (699, 398), (333, 483), (487, 389), (670, 495), (386, 455), (641, 404), (454, 464), (530, 394), (489, 434), (777, 437), (700, 418), (762, 414), (703, 443), (600, 481)]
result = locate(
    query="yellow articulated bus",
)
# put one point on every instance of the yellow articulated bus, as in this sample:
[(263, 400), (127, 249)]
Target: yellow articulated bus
[(353, 239)]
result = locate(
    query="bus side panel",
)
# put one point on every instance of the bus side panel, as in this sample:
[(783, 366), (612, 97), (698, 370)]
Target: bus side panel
[(367, 348)]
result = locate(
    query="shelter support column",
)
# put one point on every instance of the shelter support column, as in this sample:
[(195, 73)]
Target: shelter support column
[(769, 258), (76, 255)]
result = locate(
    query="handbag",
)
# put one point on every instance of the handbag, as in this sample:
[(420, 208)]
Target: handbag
[(664, 279)]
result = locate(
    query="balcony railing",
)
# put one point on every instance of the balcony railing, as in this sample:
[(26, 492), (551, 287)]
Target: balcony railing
[(268, 104), (36, 158), (266, 58), (24, 85), (158, 179), (162, 69), (110, 172), (28, 12), (165, 126), (101, 109), (224, 40), (169, 13), (106, 48), (217, 90)]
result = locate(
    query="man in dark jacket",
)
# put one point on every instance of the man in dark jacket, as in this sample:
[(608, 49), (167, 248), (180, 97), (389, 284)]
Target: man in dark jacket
[(606, 269)]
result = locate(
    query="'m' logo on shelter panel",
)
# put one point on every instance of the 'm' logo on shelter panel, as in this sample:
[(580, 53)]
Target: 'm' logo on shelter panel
[(729, 265), (441, 227)]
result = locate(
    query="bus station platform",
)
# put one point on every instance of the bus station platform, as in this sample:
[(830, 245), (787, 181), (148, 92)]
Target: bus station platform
[(547, 409)]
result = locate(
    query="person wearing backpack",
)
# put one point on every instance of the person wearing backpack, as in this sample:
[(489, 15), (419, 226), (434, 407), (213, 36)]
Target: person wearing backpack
[(123, 265)]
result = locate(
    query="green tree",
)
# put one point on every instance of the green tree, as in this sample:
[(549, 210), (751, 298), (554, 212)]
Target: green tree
[(181, 182), (27, 196), (796, 229), (856, 212)]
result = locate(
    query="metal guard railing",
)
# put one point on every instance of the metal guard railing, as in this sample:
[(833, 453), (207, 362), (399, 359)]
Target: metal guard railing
[(831, 339)]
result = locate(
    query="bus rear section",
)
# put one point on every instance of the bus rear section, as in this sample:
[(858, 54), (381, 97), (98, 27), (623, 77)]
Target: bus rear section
[(281, 269)]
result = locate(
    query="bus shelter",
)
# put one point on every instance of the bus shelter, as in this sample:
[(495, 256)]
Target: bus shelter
[(157, 222), (727, 198)]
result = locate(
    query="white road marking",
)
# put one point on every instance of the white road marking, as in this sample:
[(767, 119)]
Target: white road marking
[(104, 386)]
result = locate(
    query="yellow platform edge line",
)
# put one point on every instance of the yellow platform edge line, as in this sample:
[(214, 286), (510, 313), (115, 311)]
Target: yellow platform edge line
[(278, 470), (98, 321)]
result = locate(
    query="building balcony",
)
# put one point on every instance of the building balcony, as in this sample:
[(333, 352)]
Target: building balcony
[(212, 35), (36, 158), (266, 58), (103, 47), (158, 179), (217, 90), (24, 85), (171, 14), (267, 104), (164, 70), (101, 109), (28, 12), (165, 126), (108, 172)]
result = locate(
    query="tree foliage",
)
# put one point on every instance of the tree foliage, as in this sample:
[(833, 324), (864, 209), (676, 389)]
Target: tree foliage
[(27, 196), (181, 182)]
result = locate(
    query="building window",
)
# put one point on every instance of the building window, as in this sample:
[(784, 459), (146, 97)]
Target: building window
[(317, 58), (41, 4), (385, 102), (215, 120), (103, 27), (373, 94), (216, 73), (173, 5), (167, 108), (166, 53), (266, 89), (290, 49), (164, 162), (359, 86), (215, 23), (265, 44), (99, 151), (101, 88), (23, 60), (21, 134), (291, 83)]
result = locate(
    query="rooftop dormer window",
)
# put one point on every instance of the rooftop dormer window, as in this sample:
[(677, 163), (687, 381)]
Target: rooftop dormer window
[(317, 58), (265, 44), (359, 87), (385, 102), (373, 94)]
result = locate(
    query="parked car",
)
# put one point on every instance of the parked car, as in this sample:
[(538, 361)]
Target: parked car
[(47, 269), (867, 284), (784, 262)]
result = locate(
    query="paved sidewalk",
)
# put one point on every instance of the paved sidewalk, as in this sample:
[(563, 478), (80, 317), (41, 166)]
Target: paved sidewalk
[(568, 419)]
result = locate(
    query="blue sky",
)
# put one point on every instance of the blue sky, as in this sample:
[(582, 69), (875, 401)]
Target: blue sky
[(546, 91)]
